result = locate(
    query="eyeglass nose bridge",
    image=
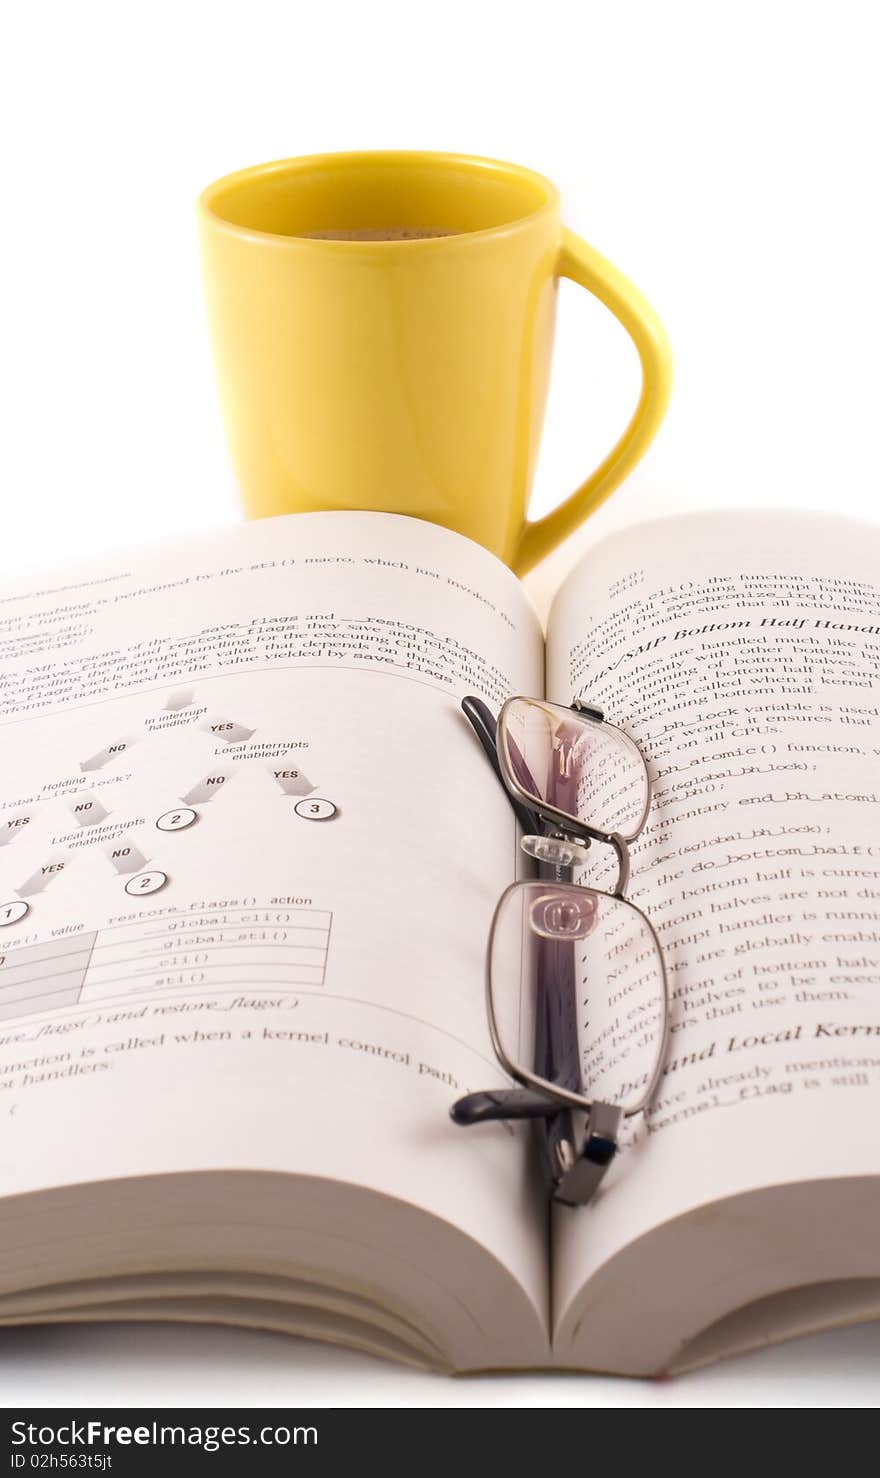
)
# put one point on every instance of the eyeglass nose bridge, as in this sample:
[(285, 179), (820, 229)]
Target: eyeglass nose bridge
[(567, 849)]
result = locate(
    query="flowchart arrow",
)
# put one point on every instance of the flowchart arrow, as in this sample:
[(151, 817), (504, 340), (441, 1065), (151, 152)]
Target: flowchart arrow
[(180, 698), (292, 782), (112, 752), (86, 809), (41, 878), (12, 828), (125, 856), (227, 730), (206, 789)]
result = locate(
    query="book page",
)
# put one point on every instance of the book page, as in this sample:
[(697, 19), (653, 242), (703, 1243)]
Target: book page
[(249, 854), (742, 651)]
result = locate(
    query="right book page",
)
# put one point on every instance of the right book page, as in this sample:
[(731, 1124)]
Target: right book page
[(742, 651)]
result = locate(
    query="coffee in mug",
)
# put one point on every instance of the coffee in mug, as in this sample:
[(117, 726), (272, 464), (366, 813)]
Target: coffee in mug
[(377, 233)]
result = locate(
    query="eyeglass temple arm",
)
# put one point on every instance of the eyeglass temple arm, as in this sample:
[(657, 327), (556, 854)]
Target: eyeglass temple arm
[(590, 709), (502, 1103), (573, 1181), (575, 1160), (484, 725)]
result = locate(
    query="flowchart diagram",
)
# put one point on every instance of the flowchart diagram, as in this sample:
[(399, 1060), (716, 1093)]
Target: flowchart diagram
[(130, 856), (114, 827)]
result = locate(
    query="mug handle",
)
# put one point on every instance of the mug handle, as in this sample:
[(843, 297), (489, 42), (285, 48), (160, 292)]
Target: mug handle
[(583, 265)]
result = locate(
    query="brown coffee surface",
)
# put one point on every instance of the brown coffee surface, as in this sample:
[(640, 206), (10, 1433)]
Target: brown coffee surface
[(378, 233)]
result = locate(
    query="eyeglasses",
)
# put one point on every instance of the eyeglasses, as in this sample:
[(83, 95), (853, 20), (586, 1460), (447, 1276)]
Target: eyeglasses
[(576, 986)]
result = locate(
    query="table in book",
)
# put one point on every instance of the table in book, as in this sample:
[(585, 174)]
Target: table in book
[(250, 851)]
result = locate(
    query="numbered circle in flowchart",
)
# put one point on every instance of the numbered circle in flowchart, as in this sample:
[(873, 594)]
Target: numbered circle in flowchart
[(14, 912), (313, 808), (146, 882), (177, 820)]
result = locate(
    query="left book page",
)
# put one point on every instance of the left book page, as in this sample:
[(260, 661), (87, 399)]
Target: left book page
[(249, 853)]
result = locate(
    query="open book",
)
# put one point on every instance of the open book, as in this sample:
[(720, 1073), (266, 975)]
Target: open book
[(249, 854)]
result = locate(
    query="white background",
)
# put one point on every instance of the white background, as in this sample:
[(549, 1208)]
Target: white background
[(725, 156)]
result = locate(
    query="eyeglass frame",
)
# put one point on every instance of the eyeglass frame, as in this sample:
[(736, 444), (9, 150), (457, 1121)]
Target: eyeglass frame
[(574, 1182)]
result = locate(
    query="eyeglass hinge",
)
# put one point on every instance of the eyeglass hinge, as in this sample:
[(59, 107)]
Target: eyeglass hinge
[(579, 706), (580, 1177)]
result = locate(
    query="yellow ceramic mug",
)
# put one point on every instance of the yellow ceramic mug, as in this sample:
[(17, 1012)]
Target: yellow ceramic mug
[(362, 370)]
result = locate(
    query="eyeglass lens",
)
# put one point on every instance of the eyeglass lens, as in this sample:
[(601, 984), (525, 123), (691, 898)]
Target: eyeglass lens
[(590, 770), (577, 992)]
